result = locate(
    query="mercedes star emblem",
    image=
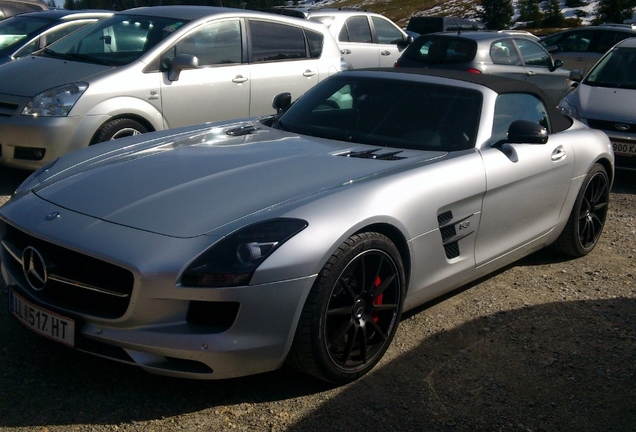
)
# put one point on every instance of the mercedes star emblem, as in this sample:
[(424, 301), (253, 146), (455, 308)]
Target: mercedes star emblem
[(34, 268)]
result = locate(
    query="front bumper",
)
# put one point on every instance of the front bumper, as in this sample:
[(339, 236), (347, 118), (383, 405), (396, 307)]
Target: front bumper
[(52, 136), (156, 330)]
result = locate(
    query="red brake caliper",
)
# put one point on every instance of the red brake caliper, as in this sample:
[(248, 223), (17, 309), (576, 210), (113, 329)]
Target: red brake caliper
[(378, 299)]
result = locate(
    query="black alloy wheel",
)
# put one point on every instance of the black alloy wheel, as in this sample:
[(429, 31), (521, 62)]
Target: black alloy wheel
[(352, 312), (586, 222)]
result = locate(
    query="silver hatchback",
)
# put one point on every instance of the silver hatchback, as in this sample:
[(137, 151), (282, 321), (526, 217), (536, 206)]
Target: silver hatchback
[(498, 53), (155, 68)]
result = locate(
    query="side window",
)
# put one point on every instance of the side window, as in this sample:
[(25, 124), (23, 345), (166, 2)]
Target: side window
[(61, 31), (517, 106), (533, 54), (578, 41), (214, 44), (386, 32), (504, 52), (356, 29), (604, 40), (274, 41), (316, 41)]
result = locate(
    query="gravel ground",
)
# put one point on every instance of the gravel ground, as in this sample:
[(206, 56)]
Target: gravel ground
[(546, 344)]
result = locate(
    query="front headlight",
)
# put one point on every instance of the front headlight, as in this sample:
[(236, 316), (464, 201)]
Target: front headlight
[(233, 260), (569, 109), (55, 102)]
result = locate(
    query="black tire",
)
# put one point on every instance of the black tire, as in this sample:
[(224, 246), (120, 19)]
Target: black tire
[(119, 128), (352, 311), (586, 222)]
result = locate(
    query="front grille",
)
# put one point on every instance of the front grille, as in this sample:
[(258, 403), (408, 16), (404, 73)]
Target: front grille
[(76, 282), (8, 108), (610, 125)]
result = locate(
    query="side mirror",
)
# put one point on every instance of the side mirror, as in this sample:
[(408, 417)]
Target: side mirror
[(180, 63), (523, 131), (557, 64), (281, 102), (406, 42), (576, 75)]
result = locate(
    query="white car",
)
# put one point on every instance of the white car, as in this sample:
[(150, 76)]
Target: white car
[(155, 68), (366, 39)]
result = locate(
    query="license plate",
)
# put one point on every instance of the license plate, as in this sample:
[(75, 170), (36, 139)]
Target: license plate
[(42, 321), (624, 148)]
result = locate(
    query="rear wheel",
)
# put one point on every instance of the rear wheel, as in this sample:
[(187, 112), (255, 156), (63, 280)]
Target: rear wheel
[(119, 128), (586, 222), (352, 311)]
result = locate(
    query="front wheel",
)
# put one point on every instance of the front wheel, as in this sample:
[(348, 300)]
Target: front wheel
[(586, 222), (352, 311), (119, 128)]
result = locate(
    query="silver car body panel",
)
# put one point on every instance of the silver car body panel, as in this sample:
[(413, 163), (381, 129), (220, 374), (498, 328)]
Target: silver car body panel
[(194, 186)]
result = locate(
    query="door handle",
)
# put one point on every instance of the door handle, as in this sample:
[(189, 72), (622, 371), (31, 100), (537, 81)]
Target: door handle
[(309, 73), (530, 73), (239, 79), (558, 153), (385, 53), (345, 51)]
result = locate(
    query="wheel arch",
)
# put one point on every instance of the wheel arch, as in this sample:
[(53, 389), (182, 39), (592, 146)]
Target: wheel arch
[(608, 169), (398, 239), (136, 117)]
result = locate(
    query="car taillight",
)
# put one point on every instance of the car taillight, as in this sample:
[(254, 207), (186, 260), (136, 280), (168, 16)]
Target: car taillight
[(473, 70)]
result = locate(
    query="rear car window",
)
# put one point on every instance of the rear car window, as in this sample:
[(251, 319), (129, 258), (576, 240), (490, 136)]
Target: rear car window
[(442, 50), (274, 41)]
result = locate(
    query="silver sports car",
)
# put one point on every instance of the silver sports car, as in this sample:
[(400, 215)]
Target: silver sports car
[(228, 249)]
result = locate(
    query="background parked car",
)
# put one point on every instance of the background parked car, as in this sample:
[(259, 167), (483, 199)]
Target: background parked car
[(20, 35), (155, 68), (14, 7), (580, 48), (434, 24), (365, 39), (510, 55), (606, 100)]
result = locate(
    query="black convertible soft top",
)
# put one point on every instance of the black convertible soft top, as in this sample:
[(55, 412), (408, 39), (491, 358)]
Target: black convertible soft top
[(559, 121)]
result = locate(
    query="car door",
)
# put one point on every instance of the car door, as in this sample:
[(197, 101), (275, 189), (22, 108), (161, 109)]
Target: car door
[(390, 39), (506, 60), (218, 88), (356, 43), (540, 69), (572, 48), (526, 183), (280, 62)]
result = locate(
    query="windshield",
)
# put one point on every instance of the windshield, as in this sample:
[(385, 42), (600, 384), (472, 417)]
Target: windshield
[(387, 112), (114, 41), (15, 29), (615, 70)]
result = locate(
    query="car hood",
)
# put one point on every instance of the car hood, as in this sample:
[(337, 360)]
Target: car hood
[(31, 75), (191, 184), (604, 103)]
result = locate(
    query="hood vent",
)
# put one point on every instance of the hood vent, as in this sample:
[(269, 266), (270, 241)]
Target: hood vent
[(373, 154)]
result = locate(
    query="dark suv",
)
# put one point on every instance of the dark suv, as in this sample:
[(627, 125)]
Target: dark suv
[(580, 48)]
